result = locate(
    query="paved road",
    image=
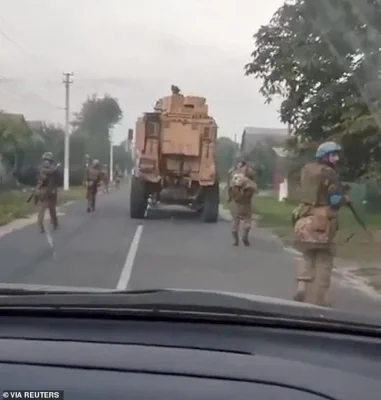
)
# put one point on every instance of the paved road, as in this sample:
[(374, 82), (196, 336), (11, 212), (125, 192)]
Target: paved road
[(107, 249)]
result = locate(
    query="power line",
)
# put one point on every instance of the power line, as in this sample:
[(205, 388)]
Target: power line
[(24, 93), (22, 48)]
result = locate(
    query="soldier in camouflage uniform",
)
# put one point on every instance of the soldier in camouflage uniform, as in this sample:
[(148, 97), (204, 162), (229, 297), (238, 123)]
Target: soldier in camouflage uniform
[(118, 176), (105, 178), (88, 162), (241, 192), (316, 224), (46, 190), (92, 178)]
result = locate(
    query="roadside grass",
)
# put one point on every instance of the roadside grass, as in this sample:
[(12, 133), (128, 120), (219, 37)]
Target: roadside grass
[(276, 216), (13, 204), (360, 251)]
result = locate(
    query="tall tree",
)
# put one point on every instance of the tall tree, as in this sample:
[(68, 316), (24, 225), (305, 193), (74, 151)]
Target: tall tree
[(323, 58), (54, 137), (98, 115), (16, 139)]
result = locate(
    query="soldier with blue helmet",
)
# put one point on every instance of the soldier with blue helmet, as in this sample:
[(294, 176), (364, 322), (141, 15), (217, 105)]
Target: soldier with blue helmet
[(316, 223)]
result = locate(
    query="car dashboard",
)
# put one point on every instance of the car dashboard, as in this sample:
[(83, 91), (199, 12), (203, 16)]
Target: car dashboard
[(127, 358)]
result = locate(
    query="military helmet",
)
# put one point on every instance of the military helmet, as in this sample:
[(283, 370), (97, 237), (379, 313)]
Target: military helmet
[(48, 156), (96, 163), (327, 148), (241, 160)]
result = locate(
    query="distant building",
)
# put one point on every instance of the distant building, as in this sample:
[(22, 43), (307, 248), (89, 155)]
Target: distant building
[(281, 167), (254, 136), (270, 140)]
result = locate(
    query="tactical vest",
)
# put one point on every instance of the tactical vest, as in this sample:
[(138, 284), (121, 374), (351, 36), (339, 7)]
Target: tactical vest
[(48, 177), (244, 193), (92, 174), (314, 182)]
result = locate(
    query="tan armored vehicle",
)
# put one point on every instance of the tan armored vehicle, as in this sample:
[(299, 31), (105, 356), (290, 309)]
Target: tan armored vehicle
[(175, 157)]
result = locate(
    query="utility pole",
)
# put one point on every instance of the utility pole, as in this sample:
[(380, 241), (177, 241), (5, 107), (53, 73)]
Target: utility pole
[(111, 157), (67, 81)]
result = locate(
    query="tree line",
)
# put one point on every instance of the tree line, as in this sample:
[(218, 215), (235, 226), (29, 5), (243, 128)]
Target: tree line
[(22, 144), (323, 58)]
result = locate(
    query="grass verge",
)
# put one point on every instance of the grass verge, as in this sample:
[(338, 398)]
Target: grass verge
[(362, 252), (276, 216), (13, 204)]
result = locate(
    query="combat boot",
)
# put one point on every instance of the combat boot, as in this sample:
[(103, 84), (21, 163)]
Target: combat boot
[(54, 223), (245, 239), (235, 239)]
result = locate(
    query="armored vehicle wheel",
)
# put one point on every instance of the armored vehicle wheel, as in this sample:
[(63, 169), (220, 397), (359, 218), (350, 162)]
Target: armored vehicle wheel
[(138, 198), (211, 204)]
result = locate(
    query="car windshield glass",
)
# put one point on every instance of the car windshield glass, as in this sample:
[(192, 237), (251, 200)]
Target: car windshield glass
[(213, 147)]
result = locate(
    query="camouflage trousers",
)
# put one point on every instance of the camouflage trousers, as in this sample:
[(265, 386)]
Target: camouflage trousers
[(245, 219), (314, 276), (49, 203), (91, 195)]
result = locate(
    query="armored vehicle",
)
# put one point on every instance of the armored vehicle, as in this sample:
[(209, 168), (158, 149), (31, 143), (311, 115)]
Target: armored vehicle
[(175, 161)]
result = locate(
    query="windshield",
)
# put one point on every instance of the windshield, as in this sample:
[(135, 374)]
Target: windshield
[(160, 145)]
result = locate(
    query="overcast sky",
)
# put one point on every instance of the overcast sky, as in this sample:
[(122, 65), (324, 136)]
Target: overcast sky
[(133, 50)]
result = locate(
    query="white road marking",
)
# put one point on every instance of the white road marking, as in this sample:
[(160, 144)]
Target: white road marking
[(129, 263)]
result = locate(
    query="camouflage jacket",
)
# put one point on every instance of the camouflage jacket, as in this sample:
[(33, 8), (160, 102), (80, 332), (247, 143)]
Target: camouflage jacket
[(93, 176), (242, 197), (47, 180), (315, 220)]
